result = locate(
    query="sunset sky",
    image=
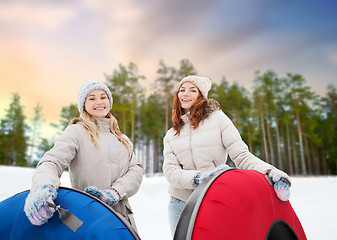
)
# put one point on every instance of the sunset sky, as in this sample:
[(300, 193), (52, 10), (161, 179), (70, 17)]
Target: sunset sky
[(48, 49)]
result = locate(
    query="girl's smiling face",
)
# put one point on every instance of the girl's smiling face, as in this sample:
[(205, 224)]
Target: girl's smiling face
[(188, 95), (97, 103)]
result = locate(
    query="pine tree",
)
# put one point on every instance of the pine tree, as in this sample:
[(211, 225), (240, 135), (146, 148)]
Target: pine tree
[(300, 98), (125, 87), (35, 130), (329, 124), (152, 113), (12, 136), (166, 85), (67, 114)]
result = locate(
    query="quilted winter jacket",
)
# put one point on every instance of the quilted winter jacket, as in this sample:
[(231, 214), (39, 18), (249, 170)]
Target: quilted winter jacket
[(107, 166), (204, 148)]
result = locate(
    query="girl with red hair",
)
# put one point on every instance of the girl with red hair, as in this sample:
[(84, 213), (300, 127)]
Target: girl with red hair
[(197, 146)]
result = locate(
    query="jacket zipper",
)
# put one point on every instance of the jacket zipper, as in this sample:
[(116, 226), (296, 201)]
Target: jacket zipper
[(195, 167)]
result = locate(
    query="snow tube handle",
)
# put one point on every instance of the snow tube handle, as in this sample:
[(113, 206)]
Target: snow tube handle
[(67, 217), (285, 180)]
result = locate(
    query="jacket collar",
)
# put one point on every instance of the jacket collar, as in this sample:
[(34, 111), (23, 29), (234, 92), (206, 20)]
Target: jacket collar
[(105, 124), (211, 106), (185, 117)]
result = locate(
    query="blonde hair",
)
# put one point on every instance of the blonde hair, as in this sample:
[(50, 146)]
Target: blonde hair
[(92, 125)]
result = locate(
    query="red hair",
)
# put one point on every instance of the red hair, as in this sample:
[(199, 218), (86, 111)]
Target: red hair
[(196, 113)]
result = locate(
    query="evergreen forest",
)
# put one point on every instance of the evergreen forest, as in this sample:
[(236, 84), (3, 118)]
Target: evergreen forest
[(281, 119)]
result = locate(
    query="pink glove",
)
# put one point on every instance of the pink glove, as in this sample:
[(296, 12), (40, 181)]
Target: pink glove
[(282, 183), (109, 196), (203, 176), (282, 190), (36, 205)]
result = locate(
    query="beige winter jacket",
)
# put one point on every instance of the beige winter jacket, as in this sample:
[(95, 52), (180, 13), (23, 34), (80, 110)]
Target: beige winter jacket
[(106, 166), (204, 148)]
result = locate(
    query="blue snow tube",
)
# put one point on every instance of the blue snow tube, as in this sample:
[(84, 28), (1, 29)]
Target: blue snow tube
[(99, 220)]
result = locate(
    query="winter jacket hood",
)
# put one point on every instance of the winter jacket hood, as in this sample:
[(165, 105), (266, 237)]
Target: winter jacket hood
[(211, 106)]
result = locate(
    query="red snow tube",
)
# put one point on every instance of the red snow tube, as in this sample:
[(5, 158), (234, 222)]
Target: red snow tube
[(238, 204)]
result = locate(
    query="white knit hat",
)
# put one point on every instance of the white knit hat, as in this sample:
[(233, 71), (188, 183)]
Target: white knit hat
[(87, 88), (203, 83)]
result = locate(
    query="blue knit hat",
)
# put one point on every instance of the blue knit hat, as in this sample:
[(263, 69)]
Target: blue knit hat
[(87, 88)]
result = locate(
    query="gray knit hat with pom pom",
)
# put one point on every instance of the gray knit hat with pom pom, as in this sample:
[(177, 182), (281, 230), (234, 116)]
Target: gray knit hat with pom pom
[(87, 88)]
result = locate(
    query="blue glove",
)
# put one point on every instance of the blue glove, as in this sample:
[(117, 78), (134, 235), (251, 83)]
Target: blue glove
[(282, 183), (203, 176), (36, 206), (109, 196), (282, 190)]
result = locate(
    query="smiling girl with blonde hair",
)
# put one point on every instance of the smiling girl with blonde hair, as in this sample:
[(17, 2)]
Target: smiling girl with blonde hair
[(99, 157)]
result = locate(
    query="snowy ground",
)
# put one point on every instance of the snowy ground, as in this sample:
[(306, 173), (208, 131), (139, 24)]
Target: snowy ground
[(314, 200)]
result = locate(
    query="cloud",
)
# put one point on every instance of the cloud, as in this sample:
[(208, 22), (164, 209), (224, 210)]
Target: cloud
[(33, 15), (67, 42), (332, 56), (173, 30)]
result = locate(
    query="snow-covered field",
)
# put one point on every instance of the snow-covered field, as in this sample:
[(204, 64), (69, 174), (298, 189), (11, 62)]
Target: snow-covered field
[(314, 200)]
